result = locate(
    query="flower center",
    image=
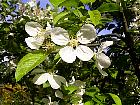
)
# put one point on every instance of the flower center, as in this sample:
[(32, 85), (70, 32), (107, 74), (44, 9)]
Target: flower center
[(41, 32), (73, 43)]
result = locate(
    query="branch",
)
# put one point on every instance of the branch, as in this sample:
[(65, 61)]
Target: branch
[(130, 42), (112, 36)]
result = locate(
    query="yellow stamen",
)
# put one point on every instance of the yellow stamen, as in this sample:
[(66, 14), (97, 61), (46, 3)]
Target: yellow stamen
[(73, 42)]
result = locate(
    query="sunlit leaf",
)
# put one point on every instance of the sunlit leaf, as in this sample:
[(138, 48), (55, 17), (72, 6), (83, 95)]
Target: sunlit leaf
[(59, 16), (77, 13), (57, 56), (88, 103), (46, 84), (87, 1), (70, 3), (95, 16), (28, 62), (116, 99), (71, 89), (55, 3)]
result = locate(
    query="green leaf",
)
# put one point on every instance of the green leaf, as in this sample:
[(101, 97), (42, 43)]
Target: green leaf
[(57, 56), (87, 1), (37, 71), (74, 99), (95, 16), (113, 73), (56, 3), (78, 13), (5, 5), (28, 62), (46, 84), (71, 89), (100, 97), (88, 103), (59, 16), (116, 99), (70, 3), (92, 91), (109, 7)]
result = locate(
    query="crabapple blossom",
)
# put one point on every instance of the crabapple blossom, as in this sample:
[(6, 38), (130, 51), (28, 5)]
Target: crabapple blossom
[(72, 48), (103, 61), (37, 34), (54, 80)]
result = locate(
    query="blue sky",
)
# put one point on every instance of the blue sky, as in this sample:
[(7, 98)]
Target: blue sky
[(42, 2)]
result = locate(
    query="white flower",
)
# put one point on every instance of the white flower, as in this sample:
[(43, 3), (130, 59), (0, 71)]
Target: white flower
[(32, 4), (85, 35), (54, 80), (37, 34), (103, 61)]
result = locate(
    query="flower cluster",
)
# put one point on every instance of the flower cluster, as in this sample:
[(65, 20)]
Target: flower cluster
[(73, 47), (31, 10)]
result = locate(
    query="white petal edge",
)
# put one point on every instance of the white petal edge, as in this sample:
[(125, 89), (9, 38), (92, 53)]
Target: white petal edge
[(61, 79), (103, 60), (42, 79), (59, 36), (59, 94), (67, 54), (32, 28), (54, 84), (106, 44), (34, 43), (48, 29), (86, 34), (100, 69), (84, 53)]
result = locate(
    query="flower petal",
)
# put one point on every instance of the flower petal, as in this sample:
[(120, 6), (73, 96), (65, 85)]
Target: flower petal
[(59, 36), (55, 84), (32, 4), (61, 79), (32, 28), (67, 54), (59, 94), (86, 34), (48, 29), (106, 44), (100, 69), (103, 60), (84, 53), (42, 79), (34, 42)]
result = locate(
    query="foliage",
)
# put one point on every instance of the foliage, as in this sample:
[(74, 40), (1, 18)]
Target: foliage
[(47, 46), (14, 95)]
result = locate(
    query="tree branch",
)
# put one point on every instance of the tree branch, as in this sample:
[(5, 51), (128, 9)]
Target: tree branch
[(130, 42)]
